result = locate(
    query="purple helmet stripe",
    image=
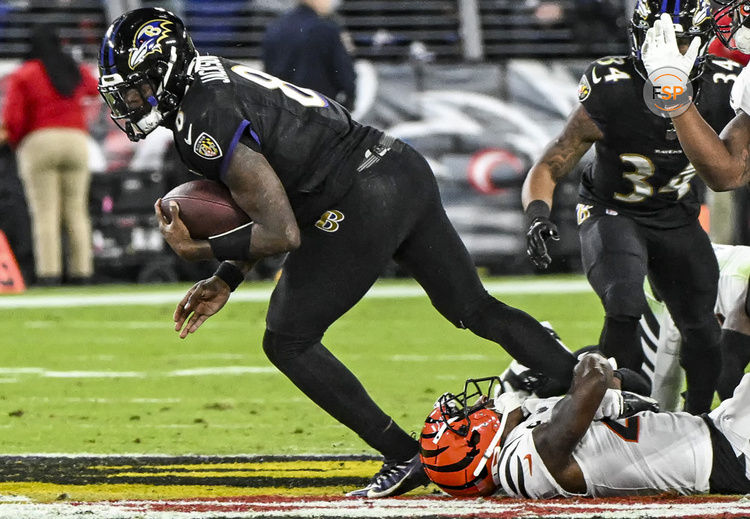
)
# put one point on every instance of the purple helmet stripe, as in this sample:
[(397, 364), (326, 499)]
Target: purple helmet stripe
[(109, 42)]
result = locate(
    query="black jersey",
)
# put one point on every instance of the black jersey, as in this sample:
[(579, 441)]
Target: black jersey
[(639, 168), (310, 141)]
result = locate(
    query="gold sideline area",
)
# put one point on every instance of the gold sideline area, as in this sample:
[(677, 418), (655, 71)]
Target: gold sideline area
[(276, 486)]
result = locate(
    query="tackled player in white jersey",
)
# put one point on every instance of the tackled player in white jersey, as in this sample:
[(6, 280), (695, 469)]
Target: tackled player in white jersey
[(591, 442)]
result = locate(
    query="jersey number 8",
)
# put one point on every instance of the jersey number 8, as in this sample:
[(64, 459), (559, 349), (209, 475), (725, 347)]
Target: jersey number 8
[(303, 96)]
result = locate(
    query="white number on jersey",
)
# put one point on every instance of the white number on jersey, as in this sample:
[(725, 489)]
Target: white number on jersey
[(303, 96), (615, 74), (644, 169)]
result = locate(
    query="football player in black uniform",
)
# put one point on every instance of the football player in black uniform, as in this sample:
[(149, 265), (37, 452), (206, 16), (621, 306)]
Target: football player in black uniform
[(723, 161), (343, 198), (637, 214)]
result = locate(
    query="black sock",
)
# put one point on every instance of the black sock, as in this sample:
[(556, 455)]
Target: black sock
[(328, 383), (735, 354), (700, 357), (619, 339), (524, 338)]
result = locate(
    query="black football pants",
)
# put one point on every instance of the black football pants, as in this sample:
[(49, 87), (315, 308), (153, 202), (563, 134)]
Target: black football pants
[(617, 254), (393, 211)]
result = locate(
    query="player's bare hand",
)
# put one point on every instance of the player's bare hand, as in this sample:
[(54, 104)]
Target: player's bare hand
[(176, 234), (203, 300)]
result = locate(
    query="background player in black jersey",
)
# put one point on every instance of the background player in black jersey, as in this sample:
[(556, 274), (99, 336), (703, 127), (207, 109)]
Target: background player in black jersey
[(723, 161), (343, 198), (637, 214)]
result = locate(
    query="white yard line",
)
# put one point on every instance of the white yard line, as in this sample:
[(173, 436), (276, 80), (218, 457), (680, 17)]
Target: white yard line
[(354, 508), (198, 372), (262, 294)]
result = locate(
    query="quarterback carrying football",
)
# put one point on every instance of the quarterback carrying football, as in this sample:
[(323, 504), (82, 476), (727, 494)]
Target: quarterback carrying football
[(342, 198)]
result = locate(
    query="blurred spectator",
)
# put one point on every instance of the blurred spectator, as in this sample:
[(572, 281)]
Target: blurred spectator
[(14, 214), (595, 22), (305, 47), (44, 117), (548, 13)]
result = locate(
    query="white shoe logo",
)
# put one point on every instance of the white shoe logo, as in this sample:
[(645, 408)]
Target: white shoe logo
[(594, 77)]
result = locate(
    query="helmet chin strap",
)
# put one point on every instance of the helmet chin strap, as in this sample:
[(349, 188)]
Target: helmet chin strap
[(504, 403)]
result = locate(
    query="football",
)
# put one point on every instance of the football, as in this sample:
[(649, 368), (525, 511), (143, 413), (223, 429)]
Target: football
[(206, 208)]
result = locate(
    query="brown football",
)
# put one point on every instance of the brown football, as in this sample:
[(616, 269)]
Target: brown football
[(206, 208)]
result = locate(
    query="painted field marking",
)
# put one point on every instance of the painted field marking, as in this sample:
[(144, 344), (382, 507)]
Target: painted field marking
[(566, 286), (197, 372), (272, 506)]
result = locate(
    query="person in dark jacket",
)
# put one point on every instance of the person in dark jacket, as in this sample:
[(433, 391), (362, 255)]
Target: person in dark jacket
[(304, 47)]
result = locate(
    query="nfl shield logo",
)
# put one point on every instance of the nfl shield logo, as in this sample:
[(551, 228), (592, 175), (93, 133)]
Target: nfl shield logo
[(207, 147)]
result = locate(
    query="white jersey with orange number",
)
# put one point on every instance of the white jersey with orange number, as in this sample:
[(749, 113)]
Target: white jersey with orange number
[(645, 454), (739, 98)]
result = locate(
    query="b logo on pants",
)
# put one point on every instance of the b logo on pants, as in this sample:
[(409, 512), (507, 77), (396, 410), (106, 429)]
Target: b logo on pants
[(329, 221), (583, 211)]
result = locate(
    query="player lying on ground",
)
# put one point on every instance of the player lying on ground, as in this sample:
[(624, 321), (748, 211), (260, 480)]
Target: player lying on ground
[(591, 442), (342, 198), (662, 342)]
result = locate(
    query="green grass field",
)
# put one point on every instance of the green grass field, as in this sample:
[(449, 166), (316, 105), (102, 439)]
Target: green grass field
[(116, 379)]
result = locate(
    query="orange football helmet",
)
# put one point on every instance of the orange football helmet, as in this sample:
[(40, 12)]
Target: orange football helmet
[(459, 441)]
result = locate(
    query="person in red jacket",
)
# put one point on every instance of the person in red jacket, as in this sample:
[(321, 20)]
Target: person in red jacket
[(43, 114)]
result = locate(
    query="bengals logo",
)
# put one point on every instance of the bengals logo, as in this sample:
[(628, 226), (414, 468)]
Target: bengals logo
[(147, 40), (329, 221), (207, 147)]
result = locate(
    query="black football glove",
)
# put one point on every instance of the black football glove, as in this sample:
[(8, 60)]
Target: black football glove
[(540, 230), (633, 403)]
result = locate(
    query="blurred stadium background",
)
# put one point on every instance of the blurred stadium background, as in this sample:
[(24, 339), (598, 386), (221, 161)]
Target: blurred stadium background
[(478, 86)]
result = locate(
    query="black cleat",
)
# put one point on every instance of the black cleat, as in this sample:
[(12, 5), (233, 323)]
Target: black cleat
[(394, 478), (523, 379), (633, 403)]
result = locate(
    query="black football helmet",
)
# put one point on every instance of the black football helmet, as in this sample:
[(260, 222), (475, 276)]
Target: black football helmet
[(144, 69), (732, 24), (690, 17)]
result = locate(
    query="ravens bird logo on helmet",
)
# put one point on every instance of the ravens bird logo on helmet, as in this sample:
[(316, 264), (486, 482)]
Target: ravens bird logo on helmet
[(144, 69)]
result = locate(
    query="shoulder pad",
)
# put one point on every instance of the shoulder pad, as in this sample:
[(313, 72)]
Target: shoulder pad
[(609, 70)]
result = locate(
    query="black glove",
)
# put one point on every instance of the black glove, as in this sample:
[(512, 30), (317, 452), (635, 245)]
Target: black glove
[(633, 403), (540, 230)]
